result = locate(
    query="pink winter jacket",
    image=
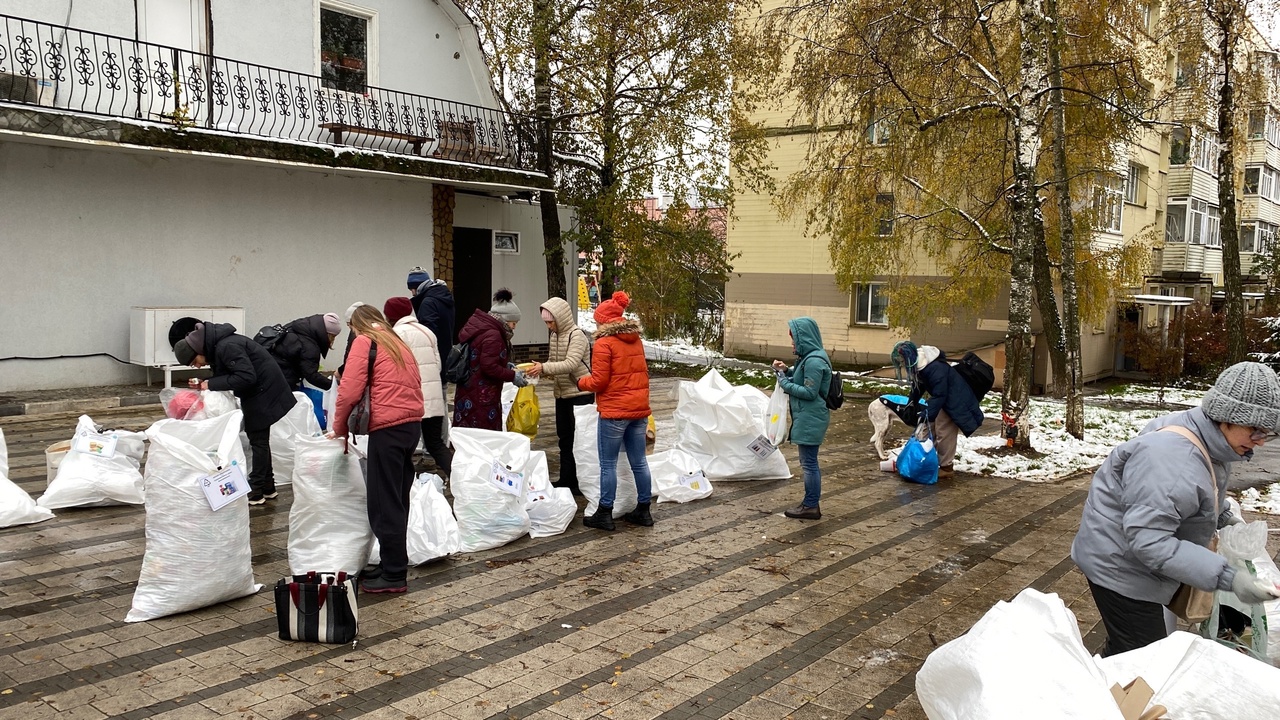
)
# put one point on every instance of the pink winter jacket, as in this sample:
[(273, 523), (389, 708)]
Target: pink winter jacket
[(396, 394)]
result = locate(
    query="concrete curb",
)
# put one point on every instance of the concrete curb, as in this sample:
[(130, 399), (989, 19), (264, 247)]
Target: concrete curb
[(77, 405)]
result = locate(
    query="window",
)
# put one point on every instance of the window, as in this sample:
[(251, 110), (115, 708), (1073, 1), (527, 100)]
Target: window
[(1108, 203), (1257, 124), (870, 305), (1262, 180), (1212, 232), (1256, 237), (1175, 223), (884, 225), (1252, 180), (345, 39), (1196, 147), (1135, 185), (880, 131), (1194, 221), (1179, 146)]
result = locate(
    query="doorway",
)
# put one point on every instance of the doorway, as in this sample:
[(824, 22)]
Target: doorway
[(472, 273)]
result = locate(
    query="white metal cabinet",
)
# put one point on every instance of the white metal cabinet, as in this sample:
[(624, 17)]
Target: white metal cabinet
[(149, 333)]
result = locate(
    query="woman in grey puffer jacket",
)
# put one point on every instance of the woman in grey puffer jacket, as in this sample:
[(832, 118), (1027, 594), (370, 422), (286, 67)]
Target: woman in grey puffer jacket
[(1152, 508)]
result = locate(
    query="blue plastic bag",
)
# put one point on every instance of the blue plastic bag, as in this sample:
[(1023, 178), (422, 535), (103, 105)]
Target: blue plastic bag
[(317, 404), (918, 460)]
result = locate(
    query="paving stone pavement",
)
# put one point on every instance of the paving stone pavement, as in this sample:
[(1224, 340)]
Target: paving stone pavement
[(723, 609)]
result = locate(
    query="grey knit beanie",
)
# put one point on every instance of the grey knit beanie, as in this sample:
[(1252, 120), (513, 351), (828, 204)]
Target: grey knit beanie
[(1246, 393), (504, 307)]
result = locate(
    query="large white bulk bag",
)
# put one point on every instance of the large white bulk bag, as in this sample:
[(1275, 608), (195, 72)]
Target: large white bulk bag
[(16, 506), (195, 557), (718, 424), (550, 509), (677, 477), (99, 469), (300, 421), (329, 520), (488, 517), (586, 454)]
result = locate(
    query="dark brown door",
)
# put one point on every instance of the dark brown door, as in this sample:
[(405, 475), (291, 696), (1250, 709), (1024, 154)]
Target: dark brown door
[(472, 272)]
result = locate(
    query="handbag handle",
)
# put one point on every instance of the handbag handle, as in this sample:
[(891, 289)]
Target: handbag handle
[(1204, 455)]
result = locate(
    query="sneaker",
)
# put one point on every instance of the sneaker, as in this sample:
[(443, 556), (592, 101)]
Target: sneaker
[(946, 471), (640, 516), (271, 495), (804, 512), (602, 520), (257, 498), (382, 584)]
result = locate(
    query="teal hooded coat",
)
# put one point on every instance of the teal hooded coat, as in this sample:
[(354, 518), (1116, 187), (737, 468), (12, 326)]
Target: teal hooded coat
[(806, 384)]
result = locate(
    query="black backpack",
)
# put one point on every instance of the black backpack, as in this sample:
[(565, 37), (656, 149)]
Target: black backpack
[(834, 396), (977, 374), (270, 335), (457, 367)]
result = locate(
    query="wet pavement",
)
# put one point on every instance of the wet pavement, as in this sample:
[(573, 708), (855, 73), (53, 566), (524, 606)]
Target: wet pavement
[(723, 609)]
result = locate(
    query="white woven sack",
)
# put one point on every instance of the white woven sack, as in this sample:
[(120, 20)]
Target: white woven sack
[(677, 477), (16, 506), (89, 480), (195, 557), (550, 509), (329, 520), (717, 422), (586, 454), (433, 531), (299, 421), (487, 516)]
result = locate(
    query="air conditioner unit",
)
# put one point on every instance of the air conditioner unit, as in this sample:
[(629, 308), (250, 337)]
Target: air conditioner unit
[(30, 90)]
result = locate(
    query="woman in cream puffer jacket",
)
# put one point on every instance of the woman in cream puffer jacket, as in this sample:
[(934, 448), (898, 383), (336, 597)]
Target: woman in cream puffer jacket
[(567, 362)]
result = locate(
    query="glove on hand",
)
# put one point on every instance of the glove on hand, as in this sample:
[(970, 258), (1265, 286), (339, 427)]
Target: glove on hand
[(511, 366), (1232, 514), (1251, 590), (520, 380)]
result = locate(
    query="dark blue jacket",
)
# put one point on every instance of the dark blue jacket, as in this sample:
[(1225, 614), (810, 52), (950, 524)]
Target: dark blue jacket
[(433, 306), (947, 391), (245, 368)]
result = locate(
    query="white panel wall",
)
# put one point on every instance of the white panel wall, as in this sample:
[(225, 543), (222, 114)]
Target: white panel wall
[(279, 33), (113, 17)]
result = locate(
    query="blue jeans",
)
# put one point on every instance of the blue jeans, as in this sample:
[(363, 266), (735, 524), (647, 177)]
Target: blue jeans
[(611, 437), (812, 475)]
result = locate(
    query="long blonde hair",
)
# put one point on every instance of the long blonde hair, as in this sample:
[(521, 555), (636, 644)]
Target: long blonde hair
[(370, 322)]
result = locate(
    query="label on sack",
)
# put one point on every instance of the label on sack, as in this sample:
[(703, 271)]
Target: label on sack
[(103, 446), (761, 447), (223, 487), (694, 480), (507, 480)]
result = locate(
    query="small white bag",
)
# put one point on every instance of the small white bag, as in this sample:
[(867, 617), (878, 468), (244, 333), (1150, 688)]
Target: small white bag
[(586, 455), (99, 469), (677, 477), (329, 520), (776, 419), (550, 509), (16, 506), (490, 510), (433, 531)]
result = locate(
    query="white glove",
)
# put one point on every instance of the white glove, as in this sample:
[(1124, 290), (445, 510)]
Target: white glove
[(1251, 590), (1235, 514)]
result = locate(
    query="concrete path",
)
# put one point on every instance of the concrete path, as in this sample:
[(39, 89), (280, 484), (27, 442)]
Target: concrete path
[(723, 609)]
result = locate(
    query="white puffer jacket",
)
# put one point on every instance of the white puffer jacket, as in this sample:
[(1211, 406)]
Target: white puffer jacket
[(423, 344)]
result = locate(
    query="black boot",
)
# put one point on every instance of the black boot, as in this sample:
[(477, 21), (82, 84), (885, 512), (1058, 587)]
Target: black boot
[(602, 520), (640, 516)]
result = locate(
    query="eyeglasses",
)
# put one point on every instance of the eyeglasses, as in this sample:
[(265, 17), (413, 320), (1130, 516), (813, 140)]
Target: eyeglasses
[(1261, 435)]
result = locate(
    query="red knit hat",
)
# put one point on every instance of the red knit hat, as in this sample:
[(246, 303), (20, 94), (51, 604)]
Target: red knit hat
[(396, 308), (611, 309)]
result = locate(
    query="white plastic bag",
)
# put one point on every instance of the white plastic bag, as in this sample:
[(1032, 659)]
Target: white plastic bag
[(717, 423), (776, 419), (299, 421), (16, 506), (550, 509), (109, 474), (587, 456), (329, 521), (189, 404), (1023, 659), (433, 531), (489, 517), (1245, 546), (195, 557), (677, 477)]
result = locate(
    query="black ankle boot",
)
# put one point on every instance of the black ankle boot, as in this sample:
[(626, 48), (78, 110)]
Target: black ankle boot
[(602, 520), (640, 516)]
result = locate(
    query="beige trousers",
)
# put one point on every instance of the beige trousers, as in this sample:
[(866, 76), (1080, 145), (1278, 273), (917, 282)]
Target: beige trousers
[(945, 434)]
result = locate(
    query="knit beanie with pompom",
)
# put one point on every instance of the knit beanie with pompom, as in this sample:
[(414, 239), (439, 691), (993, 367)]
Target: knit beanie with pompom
[(612, 309)]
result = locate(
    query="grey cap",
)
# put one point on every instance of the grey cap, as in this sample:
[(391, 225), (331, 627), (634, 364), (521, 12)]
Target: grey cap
[(1246, 393)]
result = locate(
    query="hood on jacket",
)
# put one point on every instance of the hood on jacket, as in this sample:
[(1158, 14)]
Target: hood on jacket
[(213, 334), (1220, 451), (479, 322), (432, 287), (805, 334), (927, 354), (562, 313), (314, 329), (624, 329)]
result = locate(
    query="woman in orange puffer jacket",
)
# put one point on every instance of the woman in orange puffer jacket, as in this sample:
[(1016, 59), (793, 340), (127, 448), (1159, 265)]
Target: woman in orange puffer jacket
[(620, 379)]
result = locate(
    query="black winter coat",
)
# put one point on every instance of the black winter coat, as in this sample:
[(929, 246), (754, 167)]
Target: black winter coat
[(433, 306), (245, 368), (299, 352), (947, 391)]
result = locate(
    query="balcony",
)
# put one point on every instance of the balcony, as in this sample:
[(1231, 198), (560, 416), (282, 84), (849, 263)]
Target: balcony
[(161, 91)]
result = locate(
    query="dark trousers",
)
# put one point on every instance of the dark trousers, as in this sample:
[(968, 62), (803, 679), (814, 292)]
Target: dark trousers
[(564, 430), (389, 478), (1131, 624), (261, 479), (433, 441)]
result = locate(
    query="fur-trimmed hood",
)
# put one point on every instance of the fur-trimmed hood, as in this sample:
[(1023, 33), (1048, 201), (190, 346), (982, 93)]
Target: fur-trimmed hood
[(624, 329)]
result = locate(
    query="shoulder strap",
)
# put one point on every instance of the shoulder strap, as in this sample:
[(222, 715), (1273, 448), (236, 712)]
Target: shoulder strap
[(1204, 454), (373, 352)]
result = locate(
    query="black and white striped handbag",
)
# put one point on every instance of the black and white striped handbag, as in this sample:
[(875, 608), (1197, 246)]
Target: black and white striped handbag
[(317, 607)]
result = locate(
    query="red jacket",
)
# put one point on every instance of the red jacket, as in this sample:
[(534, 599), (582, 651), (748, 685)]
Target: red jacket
[(396, 394), (619, 375)]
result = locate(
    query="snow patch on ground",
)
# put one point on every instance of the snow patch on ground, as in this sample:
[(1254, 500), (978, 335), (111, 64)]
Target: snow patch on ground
[(878, 658), (1265, 501), (973, 537)]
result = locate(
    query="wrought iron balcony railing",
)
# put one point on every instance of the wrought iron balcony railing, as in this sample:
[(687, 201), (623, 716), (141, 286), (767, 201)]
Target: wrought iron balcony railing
[(87, 72)]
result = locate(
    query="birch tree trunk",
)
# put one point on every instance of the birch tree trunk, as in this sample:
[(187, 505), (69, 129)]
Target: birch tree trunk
[(1229, 227)]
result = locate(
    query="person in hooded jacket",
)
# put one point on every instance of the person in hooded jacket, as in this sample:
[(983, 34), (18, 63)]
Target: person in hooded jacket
[(806, 385), (1153, 508), (246, 369), (620, 379), (422, 342), (567, 363), (433, 306), (304, 343), (477, 403), (952, 408)]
